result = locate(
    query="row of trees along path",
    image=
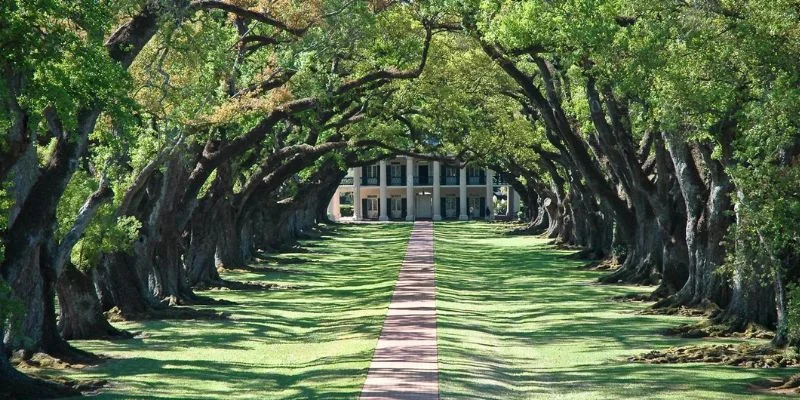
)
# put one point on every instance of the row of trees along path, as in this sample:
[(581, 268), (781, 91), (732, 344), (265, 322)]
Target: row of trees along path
[(149, 144)]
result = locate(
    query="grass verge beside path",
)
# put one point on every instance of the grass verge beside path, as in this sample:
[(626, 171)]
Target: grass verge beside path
[(312, 342), (518, 320)]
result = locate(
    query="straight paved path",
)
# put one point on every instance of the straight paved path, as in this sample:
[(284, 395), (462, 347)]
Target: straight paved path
[(404, 366)]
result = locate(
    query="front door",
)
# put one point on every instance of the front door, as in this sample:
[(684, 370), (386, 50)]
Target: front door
[(475, 207), (397, 208), (372, 207), (450, 207), (424, 206)]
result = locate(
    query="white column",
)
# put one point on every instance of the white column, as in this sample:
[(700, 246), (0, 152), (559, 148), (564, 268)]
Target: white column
[(510, 202), (437, 192), (383, 208), (462, 192), (409, 189), (333, 206), (516, 202), (337, 205), (489, 193), (357, 193)]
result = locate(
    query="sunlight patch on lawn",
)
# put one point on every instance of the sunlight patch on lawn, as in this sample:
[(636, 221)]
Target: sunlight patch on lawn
[(312, 342), (519, 320)]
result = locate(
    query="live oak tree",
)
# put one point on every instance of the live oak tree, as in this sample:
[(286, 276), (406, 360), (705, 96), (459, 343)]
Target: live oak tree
[(209, 87), (149, 143), (653, 108)]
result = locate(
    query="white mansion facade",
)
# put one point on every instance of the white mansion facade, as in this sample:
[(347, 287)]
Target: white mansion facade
[(405, 188)]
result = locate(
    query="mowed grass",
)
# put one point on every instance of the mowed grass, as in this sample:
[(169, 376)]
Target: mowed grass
[(519, 320), (313, 342)]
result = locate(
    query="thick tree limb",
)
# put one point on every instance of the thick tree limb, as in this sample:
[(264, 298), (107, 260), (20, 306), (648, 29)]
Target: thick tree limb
[(85, 215), (248, 14), (145, 174), (392, 73)]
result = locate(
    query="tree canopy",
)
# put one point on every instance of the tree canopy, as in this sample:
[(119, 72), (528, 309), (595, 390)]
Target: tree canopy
[(148, 142)]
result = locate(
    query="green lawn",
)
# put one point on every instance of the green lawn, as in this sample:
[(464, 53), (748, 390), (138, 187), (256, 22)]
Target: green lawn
[(312, 342), (518, 320)]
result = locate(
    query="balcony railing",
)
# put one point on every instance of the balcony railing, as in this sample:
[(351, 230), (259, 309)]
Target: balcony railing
[(476, 180), (423, 180)]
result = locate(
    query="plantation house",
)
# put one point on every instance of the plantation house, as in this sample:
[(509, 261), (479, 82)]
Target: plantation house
[(404, 188)]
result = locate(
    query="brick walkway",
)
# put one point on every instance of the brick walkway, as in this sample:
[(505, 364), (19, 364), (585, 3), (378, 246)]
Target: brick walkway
[(404, 366)]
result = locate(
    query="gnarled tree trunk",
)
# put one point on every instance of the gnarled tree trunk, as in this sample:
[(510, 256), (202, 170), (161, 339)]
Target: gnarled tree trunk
[(80, 314)]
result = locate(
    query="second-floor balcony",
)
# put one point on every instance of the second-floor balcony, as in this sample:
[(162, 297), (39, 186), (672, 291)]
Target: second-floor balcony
[(423, 180), (476, 180)]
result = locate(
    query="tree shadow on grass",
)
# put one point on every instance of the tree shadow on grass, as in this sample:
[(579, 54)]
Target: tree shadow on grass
[(215, 379), (313, 342), (517, 319)]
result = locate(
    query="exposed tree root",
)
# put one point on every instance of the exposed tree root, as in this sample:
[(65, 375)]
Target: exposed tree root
[(606, 264), (526, 230), (35, 361), (789, 386), (628, 276), (710, 329), (266, 269), (176, 312), (633, 298), (245, 285), (793, 382), (199, 301), (285, 261), (661, 292), (668, 307), (36, 368), (741, 355), (564, 246), (679, 310)]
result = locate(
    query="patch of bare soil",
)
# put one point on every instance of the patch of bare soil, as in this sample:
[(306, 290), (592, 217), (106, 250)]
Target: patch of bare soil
[(789, 386), (740, 355), (707, 329), (176, 312)]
